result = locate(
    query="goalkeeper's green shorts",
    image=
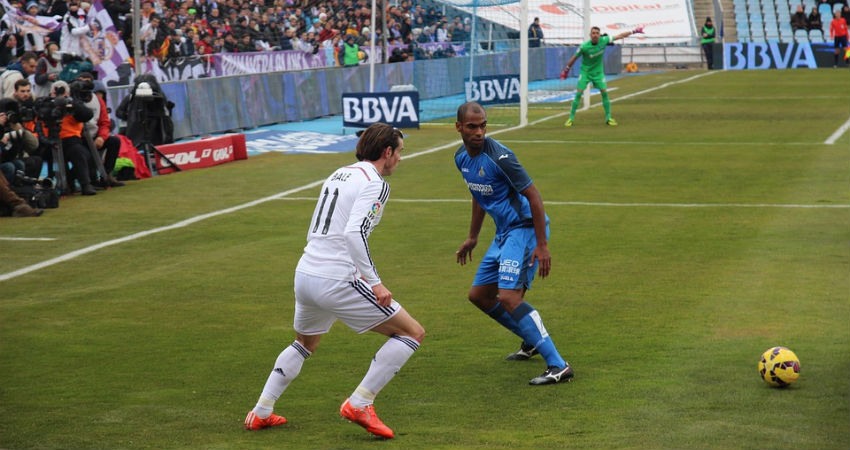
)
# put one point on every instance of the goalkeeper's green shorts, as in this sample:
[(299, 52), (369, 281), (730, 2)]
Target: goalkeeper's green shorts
[(584, 79)]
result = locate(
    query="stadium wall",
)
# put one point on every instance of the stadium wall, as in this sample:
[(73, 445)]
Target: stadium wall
[(214, 105)]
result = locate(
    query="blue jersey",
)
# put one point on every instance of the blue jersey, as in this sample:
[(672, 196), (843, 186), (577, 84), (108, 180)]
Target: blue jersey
[(495, 178)]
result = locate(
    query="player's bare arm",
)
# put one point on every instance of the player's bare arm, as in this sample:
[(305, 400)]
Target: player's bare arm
[(538, 218), (464, 253)]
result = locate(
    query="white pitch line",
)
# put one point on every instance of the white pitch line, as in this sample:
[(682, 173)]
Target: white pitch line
[(838, 133), (202, 217), (10, 238)]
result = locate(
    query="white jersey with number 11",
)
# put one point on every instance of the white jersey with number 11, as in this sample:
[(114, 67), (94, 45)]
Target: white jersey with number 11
[(349, 207)]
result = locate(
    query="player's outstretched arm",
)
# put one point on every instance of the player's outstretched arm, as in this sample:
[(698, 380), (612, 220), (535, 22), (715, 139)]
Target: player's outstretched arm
[(625, 34)]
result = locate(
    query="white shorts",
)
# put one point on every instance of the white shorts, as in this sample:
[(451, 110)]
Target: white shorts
[(319, 302)]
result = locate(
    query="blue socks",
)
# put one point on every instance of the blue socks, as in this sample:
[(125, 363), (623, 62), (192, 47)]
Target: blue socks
[(533, 332), (499, 314)]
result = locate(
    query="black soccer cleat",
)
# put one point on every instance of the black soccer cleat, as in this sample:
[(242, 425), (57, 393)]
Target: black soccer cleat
[(554, 375), (525, 352)]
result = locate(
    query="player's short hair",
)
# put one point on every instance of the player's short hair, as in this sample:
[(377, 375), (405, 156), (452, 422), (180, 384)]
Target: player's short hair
[(467, 107), (375, 139)]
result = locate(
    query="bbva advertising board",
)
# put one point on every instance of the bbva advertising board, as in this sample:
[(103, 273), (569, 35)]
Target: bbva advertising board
[(492, 90), (399, 109)]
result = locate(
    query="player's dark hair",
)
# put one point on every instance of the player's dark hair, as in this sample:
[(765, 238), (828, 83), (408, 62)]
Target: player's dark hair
[(375, 139), (595, 28), (463, 109)]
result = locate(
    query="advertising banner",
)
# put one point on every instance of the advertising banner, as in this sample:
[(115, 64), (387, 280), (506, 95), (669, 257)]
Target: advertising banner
[(399, 109), (774, 55), (202, 153), (491, 90)]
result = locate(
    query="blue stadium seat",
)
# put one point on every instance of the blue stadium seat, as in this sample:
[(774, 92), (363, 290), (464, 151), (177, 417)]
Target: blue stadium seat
[(825, 13), (801, 36)]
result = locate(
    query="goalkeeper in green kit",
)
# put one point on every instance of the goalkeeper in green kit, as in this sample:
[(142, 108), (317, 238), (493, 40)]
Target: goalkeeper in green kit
[(592, 71)]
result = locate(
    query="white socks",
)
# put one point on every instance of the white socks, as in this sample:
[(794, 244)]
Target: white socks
[(386, 363), (286, 368)]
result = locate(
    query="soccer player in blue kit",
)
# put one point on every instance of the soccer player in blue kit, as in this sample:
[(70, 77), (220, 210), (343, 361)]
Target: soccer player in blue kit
[(501, 188)]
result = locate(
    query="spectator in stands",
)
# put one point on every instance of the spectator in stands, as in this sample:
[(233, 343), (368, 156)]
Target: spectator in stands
[(74, 28), (148, 35), (14, 72), (47, 70), (845, 13), (708, 34), (231, 45), (10, 201), (535, 33), (461, 33), (33, 40), (427, 36), (838, 33), (246, 44), (440, 32), (8, 50), (815, 22), (798, 20), (204, 44)]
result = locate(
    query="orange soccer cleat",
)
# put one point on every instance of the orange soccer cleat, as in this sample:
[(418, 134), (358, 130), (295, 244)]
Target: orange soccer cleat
[(367, 419), (253, 422)]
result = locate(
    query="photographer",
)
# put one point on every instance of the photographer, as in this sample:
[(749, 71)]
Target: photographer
[(65, 117), (18, 146), (13, 205), (98, 126), (147, 112)]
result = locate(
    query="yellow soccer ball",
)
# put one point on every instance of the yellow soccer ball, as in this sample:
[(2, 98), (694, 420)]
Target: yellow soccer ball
[(779, 367)]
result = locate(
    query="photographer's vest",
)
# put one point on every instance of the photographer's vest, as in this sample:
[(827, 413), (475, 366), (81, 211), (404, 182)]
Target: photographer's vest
[(70, 127)]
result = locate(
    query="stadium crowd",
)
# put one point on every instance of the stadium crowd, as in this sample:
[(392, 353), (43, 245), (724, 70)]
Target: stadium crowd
[(171, 28), (45, 73)]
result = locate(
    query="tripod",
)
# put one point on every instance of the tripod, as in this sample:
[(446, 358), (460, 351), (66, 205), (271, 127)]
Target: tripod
[(57, 165), (149, 111)]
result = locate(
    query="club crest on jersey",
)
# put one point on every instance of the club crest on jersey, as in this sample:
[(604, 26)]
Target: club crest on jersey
[(481, 172)]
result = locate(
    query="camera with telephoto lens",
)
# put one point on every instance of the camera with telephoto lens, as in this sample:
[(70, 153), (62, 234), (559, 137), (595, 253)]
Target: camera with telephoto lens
[(21, 179), (52, 109), (82, 90)]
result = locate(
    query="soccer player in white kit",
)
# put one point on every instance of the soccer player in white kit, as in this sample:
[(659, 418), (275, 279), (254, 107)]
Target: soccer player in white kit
[(336, 279)]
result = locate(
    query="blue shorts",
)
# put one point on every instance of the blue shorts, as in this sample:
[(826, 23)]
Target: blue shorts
[(506, 261)]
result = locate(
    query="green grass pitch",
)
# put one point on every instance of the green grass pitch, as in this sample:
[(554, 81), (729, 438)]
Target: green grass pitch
[(712, 224)]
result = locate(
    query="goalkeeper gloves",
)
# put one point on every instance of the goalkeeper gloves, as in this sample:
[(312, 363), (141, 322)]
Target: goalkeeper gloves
[(565, 73), (638, 30)]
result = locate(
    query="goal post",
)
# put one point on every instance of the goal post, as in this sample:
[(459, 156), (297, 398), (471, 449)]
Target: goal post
[(493, 60)]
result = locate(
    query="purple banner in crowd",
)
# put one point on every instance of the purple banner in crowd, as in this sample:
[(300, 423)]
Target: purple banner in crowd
[(223, 64), (264, 62)]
